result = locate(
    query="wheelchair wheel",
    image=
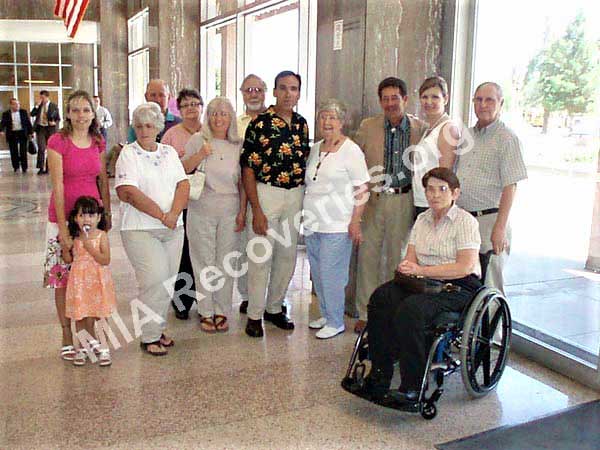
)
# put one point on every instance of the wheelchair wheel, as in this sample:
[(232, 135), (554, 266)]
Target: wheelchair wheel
[(485, 342), (428, 411)]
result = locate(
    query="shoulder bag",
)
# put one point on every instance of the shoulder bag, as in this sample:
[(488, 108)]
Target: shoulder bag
[(423, 285)]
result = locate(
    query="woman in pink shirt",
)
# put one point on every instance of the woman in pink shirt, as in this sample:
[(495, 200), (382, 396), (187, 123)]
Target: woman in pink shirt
[(76, 159), (190, 103)]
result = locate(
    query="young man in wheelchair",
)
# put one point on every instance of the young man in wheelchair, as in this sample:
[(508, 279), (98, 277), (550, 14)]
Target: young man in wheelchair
[(444, 245)]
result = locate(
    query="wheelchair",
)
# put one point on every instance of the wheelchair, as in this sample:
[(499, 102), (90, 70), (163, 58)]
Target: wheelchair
[(476, 342)]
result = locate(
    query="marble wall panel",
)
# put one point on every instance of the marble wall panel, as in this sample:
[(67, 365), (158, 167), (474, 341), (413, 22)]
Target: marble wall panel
[(113, 82), (340, 73), (403, 39), (179, 43)]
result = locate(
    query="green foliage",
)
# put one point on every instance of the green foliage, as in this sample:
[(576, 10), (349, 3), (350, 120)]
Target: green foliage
[(563, 75)]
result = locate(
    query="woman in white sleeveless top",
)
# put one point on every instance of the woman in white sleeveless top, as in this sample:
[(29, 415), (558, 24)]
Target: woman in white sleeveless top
[(438, 144)]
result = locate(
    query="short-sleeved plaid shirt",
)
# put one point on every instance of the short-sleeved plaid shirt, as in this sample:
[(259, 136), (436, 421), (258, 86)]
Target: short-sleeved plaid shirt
[(494, 162)]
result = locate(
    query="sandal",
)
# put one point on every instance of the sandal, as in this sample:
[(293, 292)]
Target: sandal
[(160, 352), (104, 358), (67, 352), (221, 324), (94, 346), (207, 324), (166, 341), (80, 357)]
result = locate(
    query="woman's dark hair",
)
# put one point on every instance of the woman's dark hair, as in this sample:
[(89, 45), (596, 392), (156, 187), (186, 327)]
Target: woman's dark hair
[(444, 174), (94, 130), (437, 82), (87, 205), (187, 93)]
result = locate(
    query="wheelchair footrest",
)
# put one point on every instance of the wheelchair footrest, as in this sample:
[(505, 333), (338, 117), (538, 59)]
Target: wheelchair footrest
[(355, 387)]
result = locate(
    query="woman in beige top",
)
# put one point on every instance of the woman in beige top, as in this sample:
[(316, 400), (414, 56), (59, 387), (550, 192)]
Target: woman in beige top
[(217, 217)]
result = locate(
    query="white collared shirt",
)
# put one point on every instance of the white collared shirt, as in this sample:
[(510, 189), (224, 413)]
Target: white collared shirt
[(439, 244), (156, 174), (16, 120)]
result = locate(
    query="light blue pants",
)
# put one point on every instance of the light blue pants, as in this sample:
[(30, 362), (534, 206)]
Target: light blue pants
[(329, 258)]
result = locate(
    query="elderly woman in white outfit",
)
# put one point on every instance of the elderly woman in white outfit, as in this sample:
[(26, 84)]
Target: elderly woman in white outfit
[(335, 197), (153, 189), (437, 147), (217, 217)]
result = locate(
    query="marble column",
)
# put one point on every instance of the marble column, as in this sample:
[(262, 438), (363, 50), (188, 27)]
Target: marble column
[(112, 52)]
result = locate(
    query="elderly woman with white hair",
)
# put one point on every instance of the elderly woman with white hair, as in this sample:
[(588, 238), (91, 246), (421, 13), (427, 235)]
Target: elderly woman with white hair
[(153, 189), (336, 193), (216, 218)]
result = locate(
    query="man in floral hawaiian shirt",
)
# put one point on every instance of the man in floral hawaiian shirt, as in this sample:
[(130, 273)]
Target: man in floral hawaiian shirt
[(273, 161)]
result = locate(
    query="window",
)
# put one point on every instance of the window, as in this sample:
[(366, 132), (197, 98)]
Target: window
[(139, 75), (221, 77), (138, 58), (549, 75), (263, 38), (29, 67)]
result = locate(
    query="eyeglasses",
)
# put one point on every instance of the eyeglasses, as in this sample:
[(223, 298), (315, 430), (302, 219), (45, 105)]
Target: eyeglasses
[(253, 90), (219, 113), (434, 189), (191, 105)]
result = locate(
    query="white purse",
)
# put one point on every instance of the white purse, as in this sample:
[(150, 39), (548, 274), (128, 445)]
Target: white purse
[(197, 180)]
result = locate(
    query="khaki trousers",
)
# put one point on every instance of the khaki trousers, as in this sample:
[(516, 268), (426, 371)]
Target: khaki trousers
[(493, 277), (388, 220), (269, 276), (155, 256), (212, 239)]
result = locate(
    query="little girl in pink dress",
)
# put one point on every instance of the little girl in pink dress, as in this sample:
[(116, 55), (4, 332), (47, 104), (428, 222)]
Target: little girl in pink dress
[(90, 288)]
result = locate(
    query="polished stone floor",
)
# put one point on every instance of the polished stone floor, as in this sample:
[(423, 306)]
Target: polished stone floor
[(211, 391)]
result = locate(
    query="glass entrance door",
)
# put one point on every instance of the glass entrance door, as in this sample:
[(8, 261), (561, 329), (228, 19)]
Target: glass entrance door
[(548, 72)]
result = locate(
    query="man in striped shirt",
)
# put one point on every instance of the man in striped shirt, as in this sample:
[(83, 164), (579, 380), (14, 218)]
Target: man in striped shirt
[(489, 169)]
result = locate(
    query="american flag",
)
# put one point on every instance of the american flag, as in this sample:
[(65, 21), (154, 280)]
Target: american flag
[(71, 11)]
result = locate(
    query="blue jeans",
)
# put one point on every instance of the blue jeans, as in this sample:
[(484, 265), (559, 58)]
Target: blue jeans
[(329, 258)]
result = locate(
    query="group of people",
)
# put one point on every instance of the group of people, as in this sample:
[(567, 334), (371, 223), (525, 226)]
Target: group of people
[(263, 184)]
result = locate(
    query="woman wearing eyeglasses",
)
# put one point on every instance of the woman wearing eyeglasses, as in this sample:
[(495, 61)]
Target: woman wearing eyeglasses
[(216, 218), (336, 193), (190, 104), (444, 245)]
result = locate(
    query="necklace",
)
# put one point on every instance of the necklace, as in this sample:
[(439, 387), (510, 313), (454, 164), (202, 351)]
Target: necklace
[(437, 122), (322, 157)]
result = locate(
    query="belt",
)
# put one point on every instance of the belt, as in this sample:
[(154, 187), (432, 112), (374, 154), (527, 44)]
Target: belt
[(484, 212), (402, 190)]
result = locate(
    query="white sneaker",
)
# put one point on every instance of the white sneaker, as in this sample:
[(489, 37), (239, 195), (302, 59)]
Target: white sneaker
[(317, 324), (329, 332)]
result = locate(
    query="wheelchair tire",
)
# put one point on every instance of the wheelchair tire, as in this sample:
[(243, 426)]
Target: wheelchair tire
[(485, 342), (428, 411)]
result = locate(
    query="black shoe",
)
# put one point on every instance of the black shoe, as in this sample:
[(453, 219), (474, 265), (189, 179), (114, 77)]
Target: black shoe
[(284, 308), (280, 320), (373, 387), (40, 172), (254, 328), (181, 315), (244, 307), (408, 395)]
